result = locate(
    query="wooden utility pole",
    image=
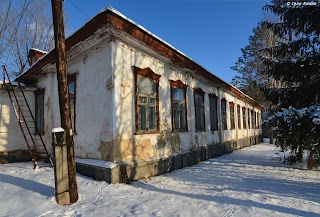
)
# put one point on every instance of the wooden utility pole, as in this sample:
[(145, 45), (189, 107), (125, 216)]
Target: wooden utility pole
[(66, 124)]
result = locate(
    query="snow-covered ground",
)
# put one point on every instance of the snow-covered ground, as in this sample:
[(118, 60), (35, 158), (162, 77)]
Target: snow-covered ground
[(249, 182)]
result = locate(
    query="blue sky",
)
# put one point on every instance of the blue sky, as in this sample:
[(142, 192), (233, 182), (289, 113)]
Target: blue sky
[(211, 32)]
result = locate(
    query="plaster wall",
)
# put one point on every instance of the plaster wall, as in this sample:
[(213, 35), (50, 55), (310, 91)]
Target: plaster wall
[(129, 147), (11, 137), (94, 97)]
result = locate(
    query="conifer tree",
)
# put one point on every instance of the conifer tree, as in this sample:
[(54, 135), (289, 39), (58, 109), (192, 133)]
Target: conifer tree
[(295, 61)]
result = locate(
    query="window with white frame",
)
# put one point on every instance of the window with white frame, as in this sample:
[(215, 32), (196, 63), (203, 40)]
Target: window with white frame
[(244, 120), (232, 121), (179, 106), (147, 100), (224, 114), (239, 116)]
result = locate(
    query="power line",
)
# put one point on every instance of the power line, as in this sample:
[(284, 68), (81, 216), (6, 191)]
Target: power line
[(79, 9)]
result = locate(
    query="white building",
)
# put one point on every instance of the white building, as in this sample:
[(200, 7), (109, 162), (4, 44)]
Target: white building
[(138, 101)]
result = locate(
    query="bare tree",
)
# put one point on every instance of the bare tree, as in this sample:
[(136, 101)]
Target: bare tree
[(24, 24)]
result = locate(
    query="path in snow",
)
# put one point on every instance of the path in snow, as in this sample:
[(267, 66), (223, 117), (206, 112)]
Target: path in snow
[(248, 182)]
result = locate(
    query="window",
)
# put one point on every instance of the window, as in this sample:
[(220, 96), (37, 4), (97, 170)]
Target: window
[(252, 119), (224, 113), (255, 119), (213, 100), (199, 109), (244, 118), (249, 122), (72, 99), (178, 106), (232, 121), (239, 117), (146, 100), (39, 114)]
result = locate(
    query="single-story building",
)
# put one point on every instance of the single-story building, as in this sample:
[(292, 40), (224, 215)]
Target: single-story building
[(138, 102)]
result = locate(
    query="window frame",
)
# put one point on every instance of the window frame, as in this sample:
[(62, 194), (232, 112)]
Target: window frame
[(72, 78), (232, 116), (252, 119), (239, 116), (37, 93), (148, 73), (224, 114), (180, 85), (244, 119), (249, 119), (200, 92), (215, 98)]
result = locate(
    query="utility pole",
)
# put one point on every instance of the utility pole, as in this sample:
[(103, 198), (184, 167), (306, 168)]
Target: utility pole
[(66, 124)]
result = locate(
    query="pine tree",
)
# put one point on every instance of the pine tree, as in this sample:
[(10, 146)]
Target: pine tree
[(295, 61)]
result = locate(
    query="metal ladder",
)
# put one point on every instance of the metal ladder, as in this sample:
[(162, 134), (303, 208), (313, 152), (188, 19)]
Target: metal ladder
[(26, 121)]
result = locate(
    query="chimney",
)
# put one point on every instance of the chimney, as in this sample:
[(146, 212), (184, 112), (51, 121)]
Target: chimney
[(35, 54)]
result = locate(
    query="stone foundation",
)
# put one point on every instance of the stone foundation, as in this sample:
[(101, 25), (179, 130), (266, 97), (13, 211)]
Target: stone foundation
[(123, 173), (14, 156)]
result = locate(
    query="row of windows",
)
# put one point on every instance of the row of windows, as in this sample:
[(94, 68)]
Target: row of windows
[(147, 106)]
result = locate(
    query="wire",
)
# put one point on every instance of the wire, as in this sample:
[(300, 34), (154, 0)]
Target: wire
[(79, 9)]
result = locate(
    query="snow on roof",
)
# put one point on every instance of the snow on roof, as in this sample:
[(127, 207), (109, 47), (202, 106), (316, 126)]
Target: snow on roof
[(41, 51), (109, 8), (144, 29), (169, 45)]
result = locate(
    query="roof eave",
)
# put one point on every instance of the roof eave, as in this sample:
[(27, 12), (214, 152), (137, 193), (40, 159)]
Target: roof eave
[(119, 21)]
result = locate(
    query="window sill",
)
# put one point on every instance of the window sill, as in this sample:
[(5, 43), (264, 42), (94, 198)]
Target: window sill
[(200, 131)]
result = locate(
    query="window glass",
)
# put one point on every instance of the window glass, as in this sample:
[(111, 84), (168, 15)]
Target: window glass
[(213, 113), (39, 114), (239, 117), (244, 118), (199, 110), (232, 122), (224, 113), (146, 85), (72, 100), (147, 95), (179, 112)]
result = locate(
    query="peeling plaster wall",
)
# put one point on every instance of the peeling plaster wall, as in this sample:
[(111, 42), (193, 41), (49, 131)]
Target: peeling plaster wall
[(94, 97), (130, 147), (105, 107), (11, 137)]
